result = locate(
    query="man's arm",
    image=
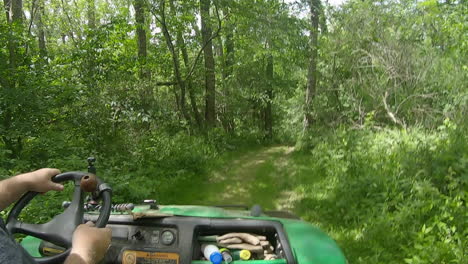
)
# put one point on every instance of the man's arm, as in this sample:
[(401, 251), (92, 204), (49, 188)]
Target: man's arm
[(38, 181), (89, 244)]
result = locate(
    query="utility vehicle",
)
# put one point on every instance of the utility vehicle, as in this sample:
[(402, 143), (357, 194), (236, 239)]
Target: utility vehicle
[(152, 233)]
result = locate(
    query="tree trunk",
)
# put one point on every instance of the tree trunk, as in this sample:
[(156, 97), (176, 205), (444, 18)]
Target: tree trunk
[(229, 53), (193, 101), (90, 55), (268, 121), (222, 102), (228, 62), (175, 61), (228, 72), (140, 13), (7, 4), (210, 81), (91, 14), (311, 87), (14, 12), (41, 33), (16, 20)]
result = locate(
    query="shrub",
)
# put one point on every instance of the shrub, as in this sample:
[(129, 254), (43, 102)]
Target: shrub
[(390, 196)]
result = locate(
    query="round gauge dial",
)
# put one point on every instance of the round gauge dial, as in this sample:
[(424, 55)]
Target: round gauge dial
[(167, 237)]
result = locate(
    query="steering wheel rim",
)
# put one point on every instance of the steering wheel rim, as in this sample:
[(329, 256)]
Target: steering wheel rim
[(60, 229)]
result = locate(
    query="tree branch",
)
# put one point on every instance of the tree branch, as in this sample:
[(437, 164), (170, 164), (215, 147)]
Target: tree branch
[(389, 112), (33, 14), (216, 34), (430, 95), (69, 21), (197, 58), (165, 83)]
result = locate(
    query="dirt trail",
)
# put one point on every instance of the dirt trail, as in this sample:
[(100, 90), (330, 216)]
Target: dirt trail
[(258, 177)]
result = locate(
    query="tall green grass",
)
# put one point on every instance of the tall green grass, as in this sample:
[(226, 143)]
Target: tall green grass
[(389, 196)]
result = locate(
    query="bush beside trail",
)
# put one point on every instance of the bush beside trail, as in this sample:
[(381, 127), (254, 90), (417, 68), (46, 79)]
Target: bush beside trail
[(389, 196)]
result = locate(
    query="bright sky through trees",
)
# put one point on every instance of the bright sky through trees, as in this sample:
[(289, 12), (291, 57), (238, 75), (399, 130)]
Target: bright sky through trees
[(332, 2)]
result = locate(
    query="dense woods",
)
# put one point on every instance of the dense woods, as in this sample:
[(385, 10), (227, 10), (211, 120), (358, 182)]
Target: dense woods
[(372, 94)]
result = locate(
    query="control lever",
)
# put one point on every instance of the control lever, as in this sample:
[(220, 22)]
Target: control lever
[(92, 172), (91, 168), (65, 204)]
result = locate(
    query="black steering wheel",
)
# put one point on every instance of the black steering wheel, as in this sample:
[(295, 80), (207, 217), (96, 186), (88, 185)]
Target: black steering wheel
[(60, 229)]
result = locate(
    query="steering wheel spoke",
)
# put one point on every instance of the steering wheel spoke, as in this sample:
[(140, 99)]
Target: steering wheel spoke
[(60, 229), (47, 232)]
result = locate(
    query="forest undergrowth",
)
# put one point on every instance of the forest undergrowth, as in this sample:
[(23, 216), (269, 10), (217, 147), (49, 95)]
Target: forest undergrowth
[(386, 196)]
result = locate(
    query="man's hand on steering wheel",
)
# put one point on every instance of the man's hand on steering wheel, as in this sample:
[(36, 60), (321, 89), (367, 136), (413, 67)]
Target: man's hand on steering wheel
[(37, 181), (86, 244), (41, 180), (89, 244)]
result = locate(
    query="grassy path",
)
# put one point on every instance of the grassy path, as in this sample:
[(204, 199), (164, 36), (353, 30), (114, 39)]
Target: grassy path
[(259, 176), (274, 177)]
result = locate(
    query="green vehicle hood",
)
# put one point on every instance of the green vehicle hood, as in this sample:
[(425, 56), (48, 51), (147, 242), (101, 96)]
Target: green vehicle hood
[(189, 210), (309, 244)]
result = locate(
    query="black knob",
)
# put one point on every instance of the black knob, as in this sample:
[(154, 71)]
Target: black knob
[(138, 235)]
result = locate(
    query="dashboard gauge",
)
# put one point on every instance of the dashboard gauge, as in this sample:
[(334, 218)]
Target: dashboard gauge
[(167, 237)]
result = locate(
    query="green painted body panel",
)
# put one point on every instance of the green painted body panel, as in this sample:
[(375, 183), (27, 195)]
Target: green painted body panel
[(200, 211), (31, 244), (311, 245), (193, 210)]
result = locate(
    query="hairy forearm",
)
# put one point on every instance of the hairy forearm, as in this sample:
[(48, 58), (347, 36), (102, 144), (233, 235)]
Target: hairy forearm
[(11, 190)]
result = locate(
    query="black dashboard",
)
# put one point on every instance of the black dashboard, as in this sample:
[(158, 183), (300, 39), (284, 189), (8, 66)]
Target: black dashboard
[(174, 239)]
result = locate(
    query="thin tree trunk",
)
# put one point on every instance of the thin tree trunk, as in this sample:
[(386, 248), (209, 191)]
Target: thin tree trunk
[(335, 87), (269, 92), (91, 14), (229, 53), (14, 12), (7, 4), (210, 80), (229, 63), (175, 61), (193, 101), (311, 87), (222, 103), (41, 33), (140, 13), (147, 94), (91, 56), (16, 20)]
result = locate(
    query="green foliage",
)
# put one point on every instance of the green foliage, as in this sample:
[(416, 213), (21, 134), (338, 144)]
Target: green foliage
[(389, 196), (382, 168), (400, 58)]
